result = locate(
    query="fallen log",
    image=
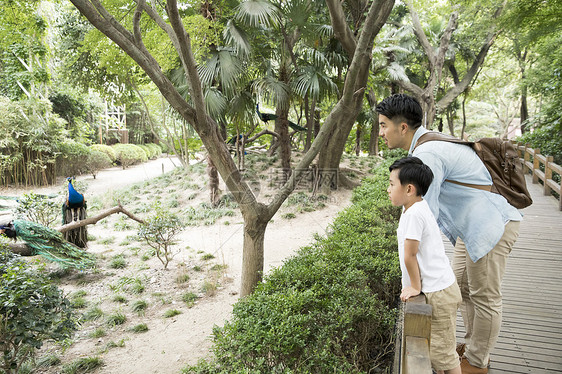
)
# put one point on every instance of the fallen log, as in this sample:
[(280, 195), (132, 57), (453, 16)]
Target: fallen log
[(23, 250)]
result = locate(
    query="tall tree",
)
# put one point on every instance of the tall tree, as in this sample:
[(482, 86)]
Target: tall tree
[(256, 214), (348, 35), (430, 79)]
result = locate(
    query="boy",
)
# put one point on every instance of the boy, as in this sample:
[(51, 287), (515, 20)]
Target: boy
[(424, 264)]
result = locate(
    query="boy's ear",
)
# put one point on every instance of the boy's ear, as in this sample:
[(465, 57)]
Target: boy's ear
[(411, 189)]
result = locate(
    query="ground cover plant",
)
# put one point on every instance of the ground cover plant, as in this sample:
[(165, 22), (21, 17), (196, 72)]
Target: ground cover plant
[(32, 310), (329, 309)]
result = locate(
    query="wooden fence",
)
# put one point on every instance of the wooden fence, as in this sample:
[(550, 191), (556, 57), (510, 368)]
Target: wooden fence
[(412, 338), (542, 168)]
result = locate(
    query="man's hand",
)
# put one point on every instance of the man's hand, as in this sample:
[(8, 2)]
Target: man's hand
[(408, 292)]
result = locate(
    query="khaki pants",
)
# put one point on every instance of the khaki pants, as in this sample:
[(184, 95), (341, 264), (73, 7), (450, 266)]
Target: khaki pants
[(480, 284)]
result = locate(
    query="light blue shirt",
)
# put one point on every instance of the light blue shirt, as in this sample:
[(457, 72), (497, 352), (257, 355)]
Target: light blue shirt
[(476, 216)]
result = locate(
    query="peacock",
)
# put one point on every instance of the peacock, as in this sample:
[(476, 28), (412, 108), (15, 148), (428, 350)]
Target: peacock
[(48, 243), (265, 117), (74, 209)]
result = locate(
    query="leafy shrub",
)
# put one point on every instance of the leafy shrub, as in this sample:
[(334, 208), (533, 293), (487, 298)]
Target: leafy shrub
[(108, 150), (38, 208), (329, 309), (152, 150), (129, 154), (72, 159), (26, 298), (159, 231), (97, 161)]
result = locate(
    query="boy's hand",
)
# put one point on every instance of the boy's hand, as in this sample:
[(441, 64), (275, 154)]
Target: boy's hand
[(408, 292)]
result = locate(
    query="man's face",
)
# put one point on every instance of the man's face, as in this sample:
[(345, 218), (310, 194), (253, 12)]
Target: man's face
[(392, 133)]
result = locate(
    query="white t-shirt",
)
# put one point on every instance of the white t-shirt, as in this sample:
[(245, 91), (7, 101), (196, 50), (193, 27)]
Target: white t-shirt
[(418, 223)]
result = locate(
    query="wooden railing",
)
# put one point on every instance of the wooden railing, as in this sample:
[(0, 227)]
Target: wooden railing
[(533, 162), (412, 338)]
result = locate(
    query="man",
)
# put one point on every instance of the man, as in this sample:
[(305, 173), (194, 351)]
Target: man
[(481, 225)]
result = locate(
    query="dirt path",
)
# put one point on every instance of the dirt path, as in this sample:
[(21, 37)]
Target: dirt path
[(171, 343), (111, 178)]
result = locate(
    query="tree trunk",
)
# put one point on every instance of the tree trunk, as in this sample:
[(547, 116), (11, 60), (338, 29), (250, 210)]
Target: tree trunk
[(214, 191), (253, 253), (451, 121), (358, 140), (374, 140)]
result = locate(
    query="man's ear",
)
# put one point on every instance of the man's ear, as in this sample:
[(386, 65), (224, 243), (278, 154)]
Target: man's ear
[(404, 128)]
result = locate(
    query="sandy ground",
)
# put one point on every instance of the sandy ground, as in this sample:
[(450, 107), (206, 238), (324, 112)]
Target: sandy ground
[(171, 343)]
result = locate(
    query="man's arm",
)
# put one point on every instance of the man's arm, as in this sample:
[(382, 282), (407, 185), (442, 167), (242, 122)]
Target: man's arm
[(411, 262)]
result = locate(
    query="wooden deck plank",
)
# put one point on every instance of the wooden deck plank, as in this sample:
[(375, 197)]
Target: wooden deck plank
[(530, 341)]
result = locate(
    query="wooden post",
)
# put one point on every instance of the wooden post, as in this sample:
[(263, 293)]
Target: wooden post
[(536, 164), (526, 157), (547, 174), (417, 333)]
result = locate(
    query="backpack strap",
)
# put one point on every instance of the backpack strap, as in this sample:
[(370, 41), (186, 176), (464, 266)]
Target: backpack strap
[(437, 136)]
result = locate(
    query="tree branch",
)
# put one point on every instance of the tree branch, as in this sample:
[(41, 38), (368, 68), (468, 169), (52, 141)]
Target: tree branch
[(341, 29)]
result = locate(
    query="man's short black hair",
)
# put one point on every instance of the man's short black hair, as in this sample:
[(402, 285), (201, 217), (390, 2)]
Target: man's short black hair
[(402, 108), (411, 170)]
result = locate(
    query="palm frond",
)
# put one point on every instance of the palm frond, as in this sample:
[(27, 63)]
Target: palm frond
[(313, 82), (274, 90), (256, 13), (325, 31), (216, 103), (237, 38), (397, 72)]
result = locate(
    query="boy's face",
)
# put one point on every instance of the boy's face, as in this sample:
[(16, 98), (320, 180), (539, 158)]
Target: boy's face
[(397, 193)]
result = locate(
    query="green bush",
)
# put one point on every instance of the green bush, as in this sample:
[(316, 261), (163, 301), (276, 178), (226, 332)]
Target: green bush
[(152, 150), (32, 310), (108, 150), (38, 208), (129, 154), (97, 161), (329, 309), (72, 159)]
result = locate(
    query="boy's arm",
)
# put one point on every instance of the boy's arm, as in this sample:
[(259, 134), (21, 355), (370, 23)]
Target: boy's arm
[(411, 262)]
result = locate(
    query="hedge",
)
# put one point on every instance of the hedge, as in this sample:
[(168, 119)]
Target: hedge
[(331, 308), (129, 154), (108, 150)]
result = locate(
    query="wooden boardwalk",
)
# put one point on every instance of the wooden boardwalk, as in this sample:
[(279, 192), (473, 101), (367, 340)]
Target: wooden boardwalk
[(530, 339)]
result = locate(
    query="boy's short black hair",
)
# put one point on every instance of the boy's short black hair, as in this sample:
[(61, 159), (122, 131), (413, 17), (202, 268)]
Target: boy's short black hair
[(413, 171), (402, 108)]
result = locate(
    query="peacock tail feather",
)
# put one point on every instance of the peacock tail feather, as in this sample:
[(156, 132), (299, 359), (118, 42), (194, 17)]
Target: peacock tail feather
[(50, 244)]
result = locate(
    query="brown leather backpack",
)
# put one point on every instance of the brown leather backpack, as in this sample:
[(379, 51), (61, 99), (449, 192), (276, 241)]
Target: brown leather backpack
[(502, 161)]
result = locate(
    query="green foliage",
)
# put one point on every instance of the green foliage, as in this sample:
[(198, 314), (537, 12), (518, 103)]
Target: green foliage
[(37, 208), (73, 159), (159, 231), (116, 318), (108, 150), (329, 309), (97, 161), (547, 138), (152, 150), (32, 310), (139, 307), (82, 365), (141, 327), (30, 138), (129, 154), (118, 262), (171, 313), (189, 298)]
